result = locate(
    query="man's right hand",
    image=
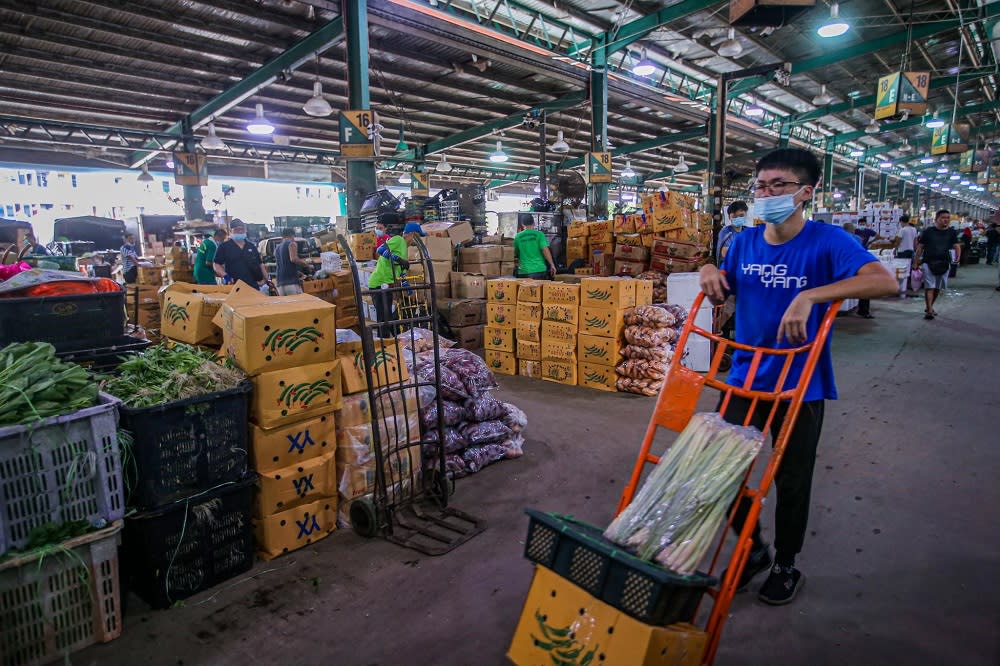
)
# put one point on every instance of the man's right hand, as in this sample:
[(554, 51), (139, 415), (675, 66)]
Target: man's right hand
[(713, 283), (404, 264)]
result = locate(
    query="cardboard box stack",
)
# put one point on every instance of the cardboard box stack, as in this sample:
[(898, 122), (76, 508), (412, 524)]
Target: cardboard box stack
[(528, 328), (560, 325), (189, 311), (682, 238), (344, 298), (482, 259), (603, 305), (287, 346), (466, 317), (142, 307), (499, 336), (177, 266)]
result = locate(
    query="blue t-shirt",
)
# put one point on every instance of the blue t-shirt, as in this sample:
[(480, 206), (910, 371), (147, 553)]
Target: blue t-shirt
[(765, 278)]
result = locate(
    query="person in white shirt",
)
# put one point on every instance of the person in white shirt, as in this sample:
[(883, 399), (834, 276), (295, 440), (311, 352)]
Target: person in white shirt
[(906, 239)]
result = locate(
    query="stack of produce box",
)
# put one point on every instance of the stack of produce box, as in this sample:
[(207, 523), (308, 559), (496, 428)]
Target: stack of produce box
[(142, 307), (465, 312), (287, 345), (482, 259), (604, 303), (398, 423), (320, 287), (441, 253), (560, 322), (189, 310), (178, 266), (528, 329), (501, 322), (362, 245), (601, 239), (344, 299), (631, 255), (681, 242), (577, 242)]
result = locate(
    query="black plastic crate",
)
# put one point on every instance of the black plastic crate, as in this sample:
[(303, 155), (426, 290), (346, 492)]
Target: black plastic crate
[(191, 545), (67, 322), (107, 357), (579, 553), (188, 446)]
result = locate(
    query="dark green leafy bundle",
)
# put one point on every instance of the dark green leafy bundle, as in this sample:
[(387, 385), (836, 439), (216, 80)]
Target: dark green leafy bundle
[(35, 384), (164, 374)]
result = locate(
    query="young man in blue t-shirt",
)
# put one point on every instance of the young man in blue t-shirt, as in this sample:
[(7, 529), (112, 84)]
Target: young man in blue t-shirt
[(783, 274)]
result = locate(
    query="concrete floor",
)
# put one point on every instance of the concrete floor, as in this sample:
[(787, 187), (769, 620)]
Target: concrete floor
[(903, 556)]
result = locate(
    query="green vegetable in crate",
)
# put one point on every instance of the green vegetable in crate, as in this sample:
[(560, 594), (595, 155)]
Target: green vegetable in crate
[(35, 384), (164, 374)]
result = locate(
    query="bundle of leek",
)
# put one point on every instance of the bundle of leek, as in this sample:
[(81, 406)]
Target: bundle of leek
[(677, 512)]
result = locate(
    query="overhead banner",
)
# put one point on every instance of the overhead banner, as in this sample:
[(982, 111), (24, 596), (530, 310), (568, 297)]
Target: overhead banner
[(358, 138), (419, 185), (190, 169), (599, 168), (902, 91), (950, 139)]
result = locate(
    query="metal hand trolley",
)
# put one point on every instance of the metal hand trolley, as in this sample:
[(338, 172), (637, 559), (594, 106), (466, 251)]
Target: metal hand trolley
[(678, 402), (409, 505)]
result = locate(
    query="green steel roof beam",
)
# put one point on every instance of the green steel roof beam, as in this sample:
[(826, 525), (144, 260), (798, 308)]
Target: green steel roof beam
[(631, 32), (299, 53), (913, 122)]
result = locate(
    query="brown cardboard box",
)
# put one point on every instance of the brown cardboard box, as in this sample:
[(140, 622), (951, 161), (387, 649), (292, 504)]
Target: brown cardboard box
[(151, 276), (529, 312), (600, 377), (356, 444), (628, 240), (529, 351), (262, 333), (468, 285), (439, 249), (508, 268), (356, 410), (437, 229), (295, 528), (598, 350), (480, 254), (631, 268), (558, 292), (643, 225), (577, 248), (502, 315), (502, 363), (663, 247), (303, 482), (631, 253), (566, 278), (559, 331), (442, 272), (292, 444), (606, 248), (362, 245), (558, 350), (671, 265), (569, 314), (577, 229), (643, 292), (317, 286), (188, 311), (561, 372), (389, 367), (583, 271), (469, 337), (529, 331), (442, 291), (529, 368), (489, 270), (281, 397), (616, 293), (601, 238), (359, 480), (503, 290), (603, 263), (600, 227), (624, 224), (603, 322), (460, 232), (462, 311), (146, 294), (499, 339), (508, 254), (149, 317), (529, 291)]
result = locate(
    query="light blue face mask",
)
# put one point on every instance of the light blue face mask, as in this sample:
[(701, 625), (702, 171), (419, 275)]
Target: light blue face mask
[(238, 237), (737, 222), (777, 209)]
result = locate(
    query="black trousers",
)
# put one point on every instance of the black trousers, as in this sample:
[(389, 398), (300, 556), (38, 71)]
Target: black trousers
[(864, 306), (131, 275), (383, 312), (534, 276), (793, 481)]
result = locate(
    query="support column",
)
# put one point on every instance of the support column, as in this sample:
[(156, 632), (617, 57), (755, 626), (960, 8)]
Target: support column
[(883, 186), (828, 177), (360, 173), (784, 135), (543, 184), (716, 157), (599, 122), (900, 192), (915, 204), (194, 208)]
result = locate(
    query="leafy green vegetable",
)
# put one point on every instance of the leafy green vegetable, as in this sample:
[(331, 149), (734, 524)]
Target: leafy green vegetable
[(35, 384)]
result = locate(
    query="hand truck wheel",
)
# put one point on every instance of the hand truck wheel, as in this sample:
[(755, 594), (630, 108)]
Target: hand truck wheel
[(364, 518), (726, 363), (437, 485)]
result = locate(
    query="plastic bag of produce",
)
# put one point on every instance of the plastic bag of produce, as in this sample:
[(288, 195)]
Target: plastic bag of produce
[(650, 316), (472, 370), (650, 387), (454, 441), (485, 407), (643, 336), (658, 278), (662, 354), (514, 447), (478, 457), (487, 432), (454, 413), (636, 368), (515, 419), (454, 466), (452, 387), (679, 312)]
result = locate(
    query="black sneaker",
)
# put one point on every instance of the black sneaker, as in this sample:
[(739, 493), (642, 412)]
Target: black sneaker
[(781, 585), (757, 561)]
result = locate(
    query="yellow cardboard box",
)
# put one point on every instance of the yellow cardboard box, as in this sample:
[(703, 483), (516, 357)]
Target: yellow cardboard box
[(559, 331), (501, 315), (502, 290), (602, 292), (295, 528), (569, 314), (561, 372), (560, 293), (628, 240), (499, 339), (590, 628), (529, 312), (504, 363), (624, 224), (356, 410), (389, 368), (262, 333), (600, 377), (577, 248), (359, 480), (356, 444), (362, 245), (605, 322), (601, 237), (282, 397), (558, 350), (529, 351), (527, 368), (643, 225), (529, 331), (643, 292), (530, 291), (188, 311), (303, 482), (600, 227), (292, 444), (598, 350), (577, 229)]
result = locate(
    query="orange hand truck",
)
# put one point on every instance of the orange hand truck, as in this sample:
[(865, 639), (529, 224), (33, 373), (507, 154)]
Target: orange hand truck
[(676, 405)]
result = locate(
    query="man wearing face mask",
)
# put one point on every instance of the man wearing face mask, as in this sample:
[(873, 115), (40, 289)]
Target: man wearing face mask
[(737, 213), (783, 274), (236, 259)]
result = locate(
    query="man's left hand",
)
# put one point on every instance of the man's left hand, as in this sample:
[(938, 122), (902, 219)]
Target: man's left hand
[(794, 322)]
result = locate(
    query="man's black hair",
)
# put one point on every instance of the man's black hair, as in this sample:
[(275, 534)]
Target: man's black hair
[(528, 221), (904, 219), (943, 211), (736, 207), (288, 232), (802, 163)]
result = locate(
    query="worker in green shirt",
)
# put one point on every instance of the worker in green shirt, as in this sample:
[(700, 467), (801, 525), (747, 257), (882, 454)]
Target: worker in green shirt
[(531, 249), (389, 270), (204, 273)]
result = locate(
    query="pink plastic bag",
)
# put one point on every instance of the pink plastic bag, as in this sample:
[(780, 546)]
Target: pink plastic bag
[(916, 278)]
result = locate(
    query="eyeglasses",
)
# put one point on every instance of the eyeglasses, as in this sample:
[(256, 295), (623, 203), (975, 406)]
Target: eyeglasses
[(774, 187)]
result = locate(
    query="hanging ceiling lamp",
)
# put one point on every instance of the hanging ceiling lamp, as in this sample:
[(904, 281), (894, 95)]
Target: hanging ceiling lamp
[(857, 152), (754, 110), (906, 147), (260, 125), (628, 171), (145, 176), (645, 66), (823, 98), (934, 122), (212, 141), (730, 46), (926, 159), (681, 166), (316, 105), (405, 178), (834, 26), (498, 155), (885, 164), (402, 146), (873, 127), (560, 146), (444, 166)]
